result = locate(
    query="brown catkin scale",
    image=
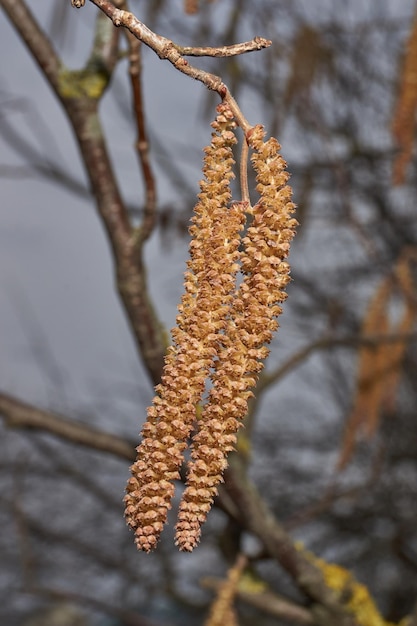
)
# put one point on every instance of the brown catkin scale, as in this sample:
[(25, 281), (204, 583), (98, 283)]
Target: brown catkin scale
[(202, 318), (251, 325)]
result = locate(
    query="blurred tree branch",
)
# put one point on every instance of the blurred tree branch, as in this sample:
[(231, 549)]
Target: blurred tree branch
[(353, 342), (126, 618), (267, 601), (80, 93), (252, 511), (18, 414), (142, 143)]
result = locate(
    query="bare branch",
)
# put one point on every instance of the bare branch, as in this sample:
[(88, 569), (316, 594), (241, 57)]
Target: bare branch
[(257, 43), (354, 341), (253, 512), (168, 50), (258, 519), (142, 143), (18, 414), (35, 39), (80, 97), (127, 618), (268, 602), (105, 50)]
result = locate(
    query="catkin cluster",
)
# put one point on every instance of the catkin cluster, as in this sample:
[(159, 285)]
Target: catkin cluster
[(221, 336), (202, 317)]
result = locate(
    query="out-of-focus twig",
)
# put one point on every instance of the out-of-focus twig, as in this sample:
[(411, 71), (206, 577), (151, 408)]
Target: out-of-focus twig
[(18, 414), (142, 142), (80, 93), (127, 618), (333, 494), (268, 602), (258, 519), (269, 378), (327, 343)]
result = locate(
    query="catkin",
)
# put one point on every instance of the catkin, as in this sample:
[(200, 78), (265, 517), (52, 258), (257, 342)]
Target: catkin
[(202, 318), (250, 326)]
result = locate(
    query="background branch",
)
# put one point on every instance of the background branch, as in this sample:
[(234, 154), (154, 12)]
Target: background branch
[(267, 602), (142, 142), (268, 378), (126, 618), (258, 519), (80, 93), (18, 414)]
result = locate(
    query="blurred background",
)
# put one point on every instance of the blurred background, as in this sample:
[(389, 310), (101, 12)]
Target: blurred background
[(334, 429)]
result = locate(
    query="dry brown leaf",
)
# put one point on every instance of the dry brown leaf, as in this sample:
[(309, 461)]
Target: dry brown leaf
[(396, 351), (366, 403), (404, 118), (379, 366)]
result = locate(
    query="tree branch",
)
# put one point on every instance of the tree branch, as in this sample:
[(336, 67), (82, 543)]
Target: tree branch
[(266, 601), (258, 519), (326, 343), (168, 50), (35, 39), (18, 414), (126, 618), (257, 43), (79, 93), (142, 142)]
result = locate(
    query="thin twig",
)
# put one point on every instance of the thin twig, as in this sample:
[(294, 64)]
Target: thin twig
[(142, 143), (258, 519), (267, 601), (18, 414), (168, 50), (332, 494), (35, 39), (82, 110), (257, 43), (269, 378), (353, 341), (127, 618)]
